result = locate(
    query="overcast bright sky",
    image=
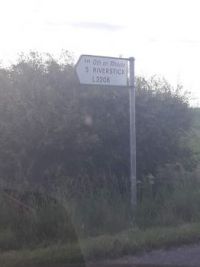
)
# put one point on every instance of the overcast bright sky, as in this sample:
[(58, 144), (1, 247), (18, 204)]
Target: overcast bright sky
[(162, 35)]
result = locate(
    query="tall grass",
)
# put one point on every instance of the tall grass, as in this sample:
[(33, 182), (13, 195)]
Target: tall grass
[(69, 211), (171, 197), (62, 214)]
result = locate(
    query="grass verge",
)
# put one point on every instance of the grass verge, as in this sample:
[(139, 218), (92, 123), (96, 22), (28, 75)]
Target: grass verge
[(104, 247), (51, 256)]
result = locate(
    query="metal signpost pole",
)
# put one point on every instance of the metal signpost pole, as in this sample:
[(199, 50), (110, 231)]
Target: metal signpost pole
[(109, 71), (133, 181)]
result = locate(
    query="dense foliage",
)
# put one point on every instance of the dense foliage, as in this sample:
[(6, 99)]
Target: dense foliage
[(50, 126), (72, 142), (163, 119)]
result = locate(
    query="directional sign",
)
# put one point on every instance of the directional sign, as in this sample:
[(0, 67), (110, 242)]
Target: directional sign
[(108, 71), (96, 70)]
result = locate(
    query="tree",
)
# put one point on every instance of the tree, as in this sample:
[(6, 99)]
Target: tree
[(163, 118), (51, 128)]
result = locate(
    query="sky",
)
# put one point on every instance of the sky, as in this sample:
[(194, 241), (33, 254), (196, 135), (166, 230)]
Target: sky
[(162, 35)]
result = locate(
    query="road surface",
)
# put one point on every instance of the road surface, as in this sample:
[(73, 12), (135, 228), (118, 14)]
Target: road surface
[(187, 255)]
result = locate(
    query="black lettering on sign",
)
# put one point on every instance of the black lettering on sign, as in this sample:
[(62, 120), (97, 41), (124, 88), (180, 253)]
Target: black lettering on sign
[(109, 71), (117, 64), (96, 62), (100, 79), (108, 80), (87, 60)]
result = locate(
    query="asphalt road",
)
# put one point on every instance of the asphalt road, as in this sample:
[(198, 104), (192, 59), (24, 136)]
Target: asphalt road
[(187, 255), (184, 256)]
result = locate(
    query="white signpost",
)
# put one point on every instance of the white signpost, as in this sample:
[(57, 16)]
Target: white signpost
[(109, 71), (102, 70)]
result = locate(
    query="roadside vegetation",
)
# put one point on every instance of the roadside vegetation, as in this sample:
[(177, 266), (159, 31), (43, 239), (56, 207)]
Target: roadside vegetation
[(102, 248), (64, 169)]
